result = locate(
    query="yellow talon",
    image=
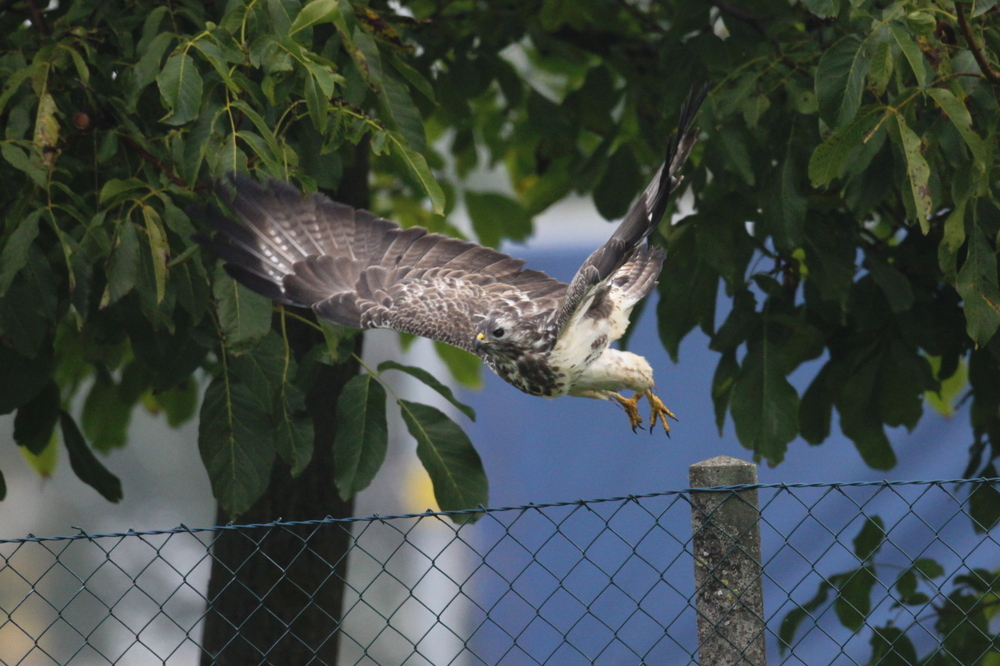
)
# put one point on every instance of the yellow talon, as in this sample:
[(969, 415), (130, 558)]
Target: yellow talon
[(631, 406), (657, 410)]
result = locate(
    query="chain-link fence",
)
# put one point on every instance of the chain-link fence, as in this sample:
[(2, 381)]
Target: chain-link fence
[(887, 572)]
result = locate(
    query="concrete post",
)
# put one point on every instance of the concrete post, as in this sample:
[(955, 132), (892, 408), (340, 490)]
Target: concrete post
[(727, 564)]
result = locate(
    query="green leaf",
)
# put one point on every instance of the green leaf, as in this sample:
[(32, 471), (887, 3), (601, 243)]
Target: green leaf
[(265, 368), (765, 407), (431, 381), (823, 8), (618, 185), (891, 647), (869, 540), (853, 603), (894, 284), (340, 340), (840, 80), (170, 356), (722, 385), (449, 458), (952, 239), (724, 244), (244, 315), (960, 117), (984, 504), (367, 59), (106, 416), (113, 190), (732, 144), (816, 408), (86, 466), (261, 125), (180, 87), (13, 84), (398, 107), (412, 76), (36, 419), (23, 378), (861, 420), (21, 321), (918, 172), (293, 428), (179, 403), (830, 157), (417, 165), (881, 68), (466, 368), (977, 284), (211, 52), (790, 212), (123, 265), (495, 217), (740, 323), (318, 88), (234, 438), (16, 251), (362, 435), (911, 51), (314, 12), (45, 463), (829, 259), (159, 249), (688, 289), (20, 160), (906, 585), (790, 623), (928, 568), (148, 67)]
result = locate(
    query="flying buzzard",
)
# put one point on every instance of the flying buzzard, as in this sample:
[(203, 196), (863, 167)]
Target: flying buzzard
[(545, 337)]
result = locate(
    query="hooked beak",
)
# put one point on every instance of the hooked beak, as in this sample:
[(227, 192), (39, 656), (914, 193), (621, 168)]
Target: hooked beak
[(480, 342)]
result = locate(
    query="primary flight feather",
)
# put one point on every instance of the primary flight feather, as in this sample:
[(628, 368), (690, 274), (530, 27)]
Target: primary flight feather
[(543, 336)]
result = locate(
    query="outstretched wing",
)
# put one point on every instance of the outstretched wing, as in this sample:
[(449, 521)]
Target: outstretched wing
[(363, 271), (621, 258)]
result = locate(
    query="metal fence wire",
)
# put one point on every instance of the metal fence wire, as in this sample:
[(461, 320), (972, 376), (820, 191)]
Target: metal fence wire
[(858, 573)]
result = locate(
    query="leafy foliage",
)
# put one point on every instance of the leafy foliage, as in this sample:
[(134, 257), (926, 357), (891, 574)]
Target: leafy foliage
[(844, 192), (963, 615)]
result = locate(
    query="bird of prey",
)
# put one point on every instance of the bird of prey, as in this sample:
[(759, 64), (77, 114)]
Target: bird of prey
[(545, 337)]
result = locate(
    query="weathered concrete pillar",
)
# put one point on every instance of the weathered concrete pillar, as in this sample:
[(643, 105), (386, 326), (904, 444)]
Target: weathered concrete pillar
[(727, 564)]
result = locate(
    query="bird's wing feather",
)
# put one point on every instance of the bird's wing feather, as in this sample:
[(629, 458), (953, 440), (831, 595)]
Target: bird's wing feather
[(591, 280), (363, 271)]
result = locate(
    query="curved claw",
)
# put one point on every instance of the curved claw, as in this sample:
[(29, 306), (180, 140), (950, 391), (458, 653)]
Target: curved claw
[(658, 411), (631, 407)]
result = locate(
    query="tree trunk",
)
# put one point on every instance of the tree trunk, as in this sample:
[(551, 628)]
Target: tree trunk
[(276, 594)]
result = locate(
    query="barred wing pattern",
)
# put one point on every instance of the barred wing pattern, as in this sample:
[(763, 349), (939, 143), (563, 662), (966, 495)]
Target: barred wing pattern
[(610, 263), (363, 271)]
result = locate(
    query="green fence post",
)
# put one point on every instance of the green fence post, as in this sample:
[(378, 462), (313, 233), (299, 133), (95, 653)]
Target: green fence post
[(727, 564)]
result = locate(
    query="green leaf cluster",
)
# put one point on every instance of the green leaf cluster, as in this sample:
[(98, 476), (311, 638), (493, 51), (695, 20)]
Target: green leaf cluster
[(844, 210), (963, 615), (103, 291)]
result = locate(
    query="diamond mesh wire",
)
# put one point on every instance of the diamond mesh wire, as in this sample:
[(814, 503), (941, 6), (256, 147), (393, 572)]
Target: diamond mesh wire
[(848, 569)]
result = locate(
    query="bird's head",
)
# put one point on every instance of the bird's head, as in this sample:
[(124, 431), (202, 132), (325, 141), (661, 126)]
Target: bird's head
[(502, 335)]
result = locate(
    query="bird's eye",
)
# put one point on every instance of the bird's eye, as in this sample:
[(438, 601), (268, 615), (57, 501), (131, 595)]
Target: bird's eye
[(498, 333)]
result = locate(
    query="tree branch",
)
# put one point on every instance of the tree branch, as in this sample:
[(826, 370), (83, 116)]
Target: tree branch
[(146, 155), (37, 18), (991, 75)]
